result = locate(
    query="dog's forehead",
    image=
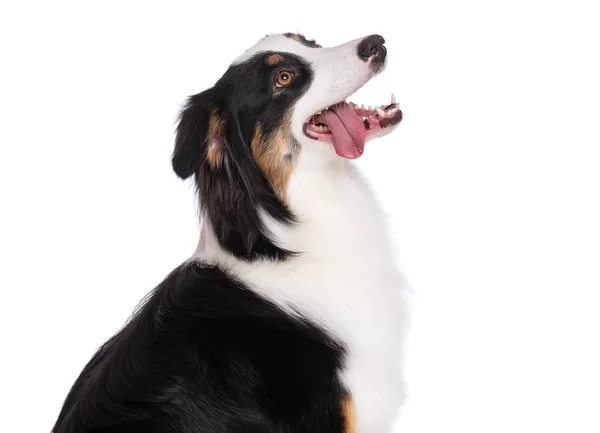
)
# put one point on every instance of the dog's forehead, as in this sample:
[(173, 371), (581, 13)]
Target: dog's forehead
[(279, 43)]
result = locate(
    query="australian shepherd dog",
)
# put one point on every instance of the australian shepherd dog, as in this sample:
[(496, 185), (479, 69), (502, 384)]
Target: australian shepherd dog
[(290, 315)]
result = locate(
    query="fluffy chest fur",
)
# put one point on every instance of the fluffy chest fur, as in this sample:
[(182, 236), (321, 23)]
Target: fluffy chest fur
[(344, 280)]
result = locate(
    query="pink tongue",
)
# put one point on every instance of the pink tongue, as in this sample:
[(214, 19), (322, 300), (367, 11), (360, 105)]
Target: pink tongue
[(347, 130)]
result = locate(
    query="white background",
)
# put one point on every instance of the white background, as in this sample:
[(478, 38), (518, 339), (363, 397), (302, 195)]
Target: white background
[(492, 185)]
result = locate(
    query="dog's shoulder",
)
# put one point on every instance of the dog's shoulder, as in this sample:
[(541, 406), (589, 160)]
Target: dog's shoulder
[(203, 351)]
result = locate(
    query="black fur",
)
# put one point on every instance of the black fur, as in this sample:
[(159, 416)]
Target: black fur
[(231, 194), (205, 354)]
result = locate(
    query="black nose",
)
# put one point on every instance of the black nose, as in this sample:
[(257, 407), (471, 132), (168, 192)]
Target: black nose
[(372, 46)]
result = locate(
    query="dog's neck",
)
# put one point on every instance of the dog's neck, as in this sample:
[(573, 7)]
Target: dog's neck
[(338, 218)]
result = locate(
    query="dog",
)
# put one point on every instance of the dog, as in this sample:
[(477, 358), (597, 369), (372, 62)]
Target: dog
[(290, 315)]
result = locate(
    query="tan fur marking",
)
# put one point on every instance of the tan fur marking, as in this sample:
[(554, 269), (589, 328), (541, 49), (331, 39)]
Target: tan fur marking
[(297, 37), (214, 154), (274, 59), (269, 153), (349, 415)]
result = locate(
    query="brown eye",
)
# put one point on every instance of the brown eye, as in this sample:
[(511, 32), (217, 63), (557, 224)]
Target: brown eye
[(284, 78)]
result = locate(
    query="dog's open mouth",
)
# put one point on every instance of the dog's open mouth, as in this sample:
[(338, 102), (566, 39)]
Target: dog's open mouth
[(349, 126)]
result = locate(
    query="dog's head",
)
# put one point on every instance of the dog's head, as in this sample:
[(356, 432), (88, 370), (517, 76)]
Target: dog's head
[(284, 97)]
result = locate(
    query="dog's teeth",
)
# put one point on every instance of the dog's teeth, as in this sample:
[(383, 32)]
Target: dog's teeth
[(380, 112), (394, 99), (323, 128), (362, 107)]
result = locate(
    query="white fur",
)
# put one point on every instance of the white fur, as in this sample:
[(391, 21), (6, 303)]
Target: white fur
[(345, 278)]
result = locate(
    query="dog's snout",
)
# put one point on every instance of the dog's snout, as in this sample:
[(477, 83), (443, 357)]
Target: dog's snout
[(372, 47)]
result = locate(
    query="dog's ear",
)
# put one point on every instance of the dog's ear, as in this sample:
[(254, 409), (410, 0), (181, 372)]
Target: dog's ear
[(214, 144), (199, 128)]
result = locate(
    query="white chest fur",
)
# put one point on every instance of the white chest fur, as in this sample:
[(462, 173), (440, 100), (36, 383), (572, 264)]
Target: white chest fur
[(345, 280)]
